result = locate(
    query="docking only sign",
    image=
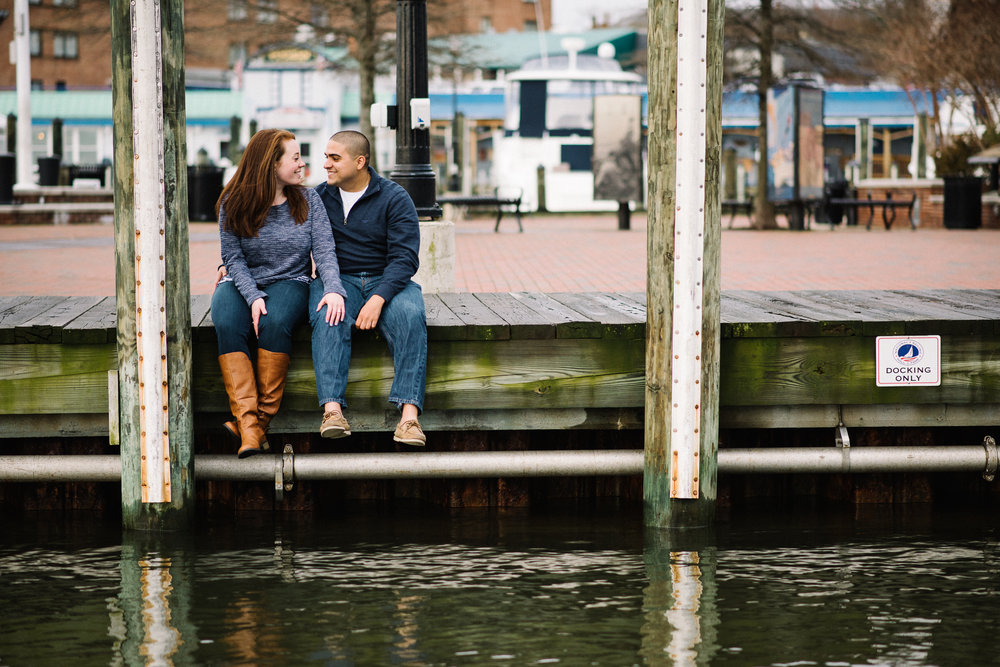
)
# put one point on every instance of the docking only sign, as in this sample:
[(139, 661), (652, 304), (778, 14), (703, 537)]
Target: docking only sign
[(908, 361)]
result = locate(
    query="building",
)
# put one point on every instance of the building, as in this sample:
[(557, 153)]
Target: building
[(71, 39)]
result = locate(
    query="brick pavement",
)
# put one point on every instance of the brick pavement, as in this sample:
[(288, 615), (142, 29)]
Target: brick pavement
[(566, 253)]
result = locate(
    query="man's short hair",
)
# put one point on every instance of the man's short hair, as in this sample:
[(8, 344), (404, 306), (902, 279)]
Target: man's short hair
[(355, 142)]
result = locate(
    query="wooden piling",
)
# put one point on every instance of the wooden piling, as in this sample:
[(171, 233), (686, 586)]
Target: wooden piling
[(683, 247), (173, 447)]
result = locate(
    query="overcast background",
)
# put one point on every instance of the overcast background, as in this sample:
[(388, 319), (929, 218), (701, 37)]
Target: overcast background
[(568, 15)]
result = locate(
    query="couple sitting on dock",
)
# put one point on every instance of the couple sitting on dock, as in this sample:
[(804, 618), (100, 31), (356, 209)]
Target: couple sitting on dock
[(362, 232)]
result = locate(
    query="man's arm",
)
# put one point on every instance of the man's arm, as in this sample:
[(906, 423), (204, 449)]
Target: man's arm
[(402, 245)]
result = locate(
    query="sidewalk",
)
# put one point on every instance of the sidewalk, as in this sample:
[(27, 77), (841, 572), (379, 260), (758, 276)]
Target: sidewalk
[(584, 252)]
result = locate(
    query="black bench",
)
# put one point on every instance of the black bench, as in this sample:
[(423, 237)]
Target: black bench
[(497, 200), (805, 208), (95, 171), (735, 207), (888, 206)]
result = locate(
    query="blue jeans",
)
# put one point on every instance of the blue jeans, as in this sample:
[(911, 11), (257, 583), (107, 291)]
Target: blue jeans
[(402, 323), (286, 308)]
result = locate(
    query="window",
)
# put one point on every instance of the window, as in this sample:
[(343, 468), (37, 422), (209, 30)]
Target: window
[(319, 15), (268, 11), (35, 42), (237, 10), (86, 145), (64, 45)]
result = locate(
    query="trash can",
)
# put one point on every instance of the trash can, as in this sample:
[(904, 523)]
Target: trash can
[(834, 213), (8, 169), (204, 188), (963, 202), (48, 170)]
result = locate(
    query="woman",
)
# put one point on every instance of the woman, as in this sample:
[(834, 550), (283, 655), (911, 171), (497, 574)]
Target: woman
[(268, 226)]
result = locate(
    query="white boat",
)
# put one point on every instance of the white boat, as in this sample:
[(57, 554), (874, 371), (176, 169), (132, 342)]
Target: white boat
[(549, 123)]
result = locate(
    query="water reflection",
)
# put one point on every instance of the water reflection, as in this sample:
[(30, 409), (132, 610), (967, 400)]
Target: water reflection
[(477, 588), (679, 621)]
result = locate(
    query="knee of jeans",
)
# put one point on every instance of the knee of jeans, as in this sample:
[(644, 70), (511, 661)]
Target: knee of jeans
[(407, 312)]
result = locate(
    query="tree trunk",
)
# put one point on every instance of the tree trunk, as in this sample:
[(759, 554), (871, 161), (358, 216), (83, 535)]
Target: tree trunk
[(763, 208), (367, 46)]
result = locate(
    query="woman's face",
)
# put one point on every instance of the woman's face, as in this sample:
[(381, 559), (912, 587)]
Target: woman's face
[(289, 170)]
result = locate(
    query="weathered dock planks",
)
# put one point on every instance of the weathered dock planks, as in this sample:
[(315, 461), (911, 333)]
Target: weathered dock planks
[(536, 361)]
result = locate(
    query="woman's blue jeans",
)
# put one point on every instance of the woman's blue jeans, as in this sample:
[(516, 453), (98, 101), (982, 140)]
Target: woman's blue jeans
[(403, 324), (286, 308)]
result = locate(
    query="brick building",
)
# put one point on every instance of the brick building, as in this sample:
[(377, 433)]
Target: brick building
[(71, 41)]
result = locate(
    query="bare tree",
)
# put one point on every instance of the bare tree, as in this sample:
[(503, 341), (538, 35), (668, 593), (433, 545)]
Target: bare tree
[(805, 36), (367, 28), (936, 50)]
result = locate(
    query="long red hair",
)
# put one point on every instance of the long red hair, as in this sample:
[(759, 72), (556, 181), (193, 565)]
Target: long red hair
[(250, 193)]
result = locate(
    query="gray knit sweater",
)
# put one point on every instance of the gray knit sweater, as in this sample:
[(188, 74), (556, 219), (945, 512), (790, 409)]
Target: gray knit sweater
[(280, 251)]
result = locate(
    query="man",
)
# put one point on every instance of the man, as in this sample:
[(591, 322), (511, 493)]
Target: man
[(378, 238)]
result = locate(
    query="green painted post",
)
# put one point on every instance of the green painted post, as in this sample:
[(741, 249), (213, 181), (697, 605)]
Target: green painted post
[(921, 132), (864, 149), (234, 152), (683, 248), (177, 509)]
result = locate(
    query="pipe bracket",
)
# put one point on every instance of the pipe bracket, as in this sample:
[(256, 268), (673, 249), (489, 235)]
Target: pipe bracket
[(992, 458), (842, 439)]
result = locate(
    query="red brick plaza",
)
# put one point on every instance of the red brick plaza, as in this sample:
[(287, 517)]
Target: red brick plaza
[(577, 252)]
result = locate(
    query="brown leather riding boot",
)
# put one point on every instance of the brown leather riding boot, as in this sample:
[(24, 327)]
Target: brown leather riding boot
[(272, 370), (241, 386)]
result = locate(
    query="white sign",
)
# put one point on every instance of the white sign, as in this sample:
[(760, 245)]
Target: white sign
[(908, 361)]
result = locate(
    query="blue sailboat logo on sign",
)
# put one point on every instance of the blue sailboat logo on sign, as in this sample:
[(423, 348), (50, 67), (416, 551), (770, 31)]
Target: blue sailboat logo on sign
[(908, 352)]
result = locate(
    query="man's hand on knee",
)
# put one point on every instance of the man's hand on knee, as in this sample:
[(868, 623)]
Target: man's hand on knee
[(370, 312)]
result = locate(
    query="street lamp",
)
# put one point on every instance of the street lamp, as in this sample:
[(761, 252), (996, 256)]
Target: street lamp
[(413, 151)]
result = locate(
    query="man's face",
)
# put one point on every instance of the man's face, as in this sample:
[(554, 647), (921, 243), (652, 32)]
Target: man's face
[(342, 168)]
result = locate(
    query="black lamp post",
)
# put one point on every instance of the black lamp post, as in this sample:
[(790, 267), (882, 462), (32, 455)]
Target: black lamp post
[(413, 151)]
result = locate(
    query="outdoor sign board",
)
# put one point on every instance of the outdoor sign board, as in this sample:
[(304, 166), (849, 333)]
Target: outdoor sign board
[(908, 361), (617, 157), (795, 144)]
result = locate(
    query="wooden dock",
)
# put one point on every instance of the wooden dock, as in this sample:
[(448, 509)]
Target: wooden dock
[(533, 361)]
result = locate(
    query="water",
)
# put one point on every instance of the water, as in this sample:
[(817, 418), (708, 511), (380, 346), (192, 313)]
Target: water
[(888, 586)]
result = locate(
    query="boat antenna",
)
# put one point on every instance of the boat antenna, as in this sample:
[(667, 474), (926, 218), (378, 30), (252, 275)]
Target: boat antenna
[(540, 25)]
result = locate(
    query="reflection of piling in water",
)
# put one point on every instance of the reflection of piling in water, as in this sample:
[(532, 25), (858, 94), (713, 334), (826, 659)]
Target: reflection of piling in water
[(679, 603)]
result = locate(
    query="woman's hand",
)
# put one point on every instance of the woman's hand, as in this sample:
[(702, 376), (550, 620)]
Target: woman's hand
[(335, 309), (220, 275), (257, 308)]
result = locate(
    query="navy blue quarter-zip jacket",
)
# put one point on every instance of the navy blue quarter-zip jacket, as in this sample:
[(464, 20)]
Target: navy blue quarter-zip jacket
[(380, 236)]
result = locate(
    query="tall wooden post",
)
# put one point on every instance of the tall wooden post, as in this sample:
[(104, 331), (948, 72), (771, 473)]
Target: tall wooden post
[(151, 255), (683, 283)]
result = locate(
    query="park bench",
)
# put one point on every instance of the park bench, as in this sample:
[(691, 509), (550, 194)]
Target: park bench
[(734, 207), (89, 171), (807, 208), (499, 201), (887, 204)]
